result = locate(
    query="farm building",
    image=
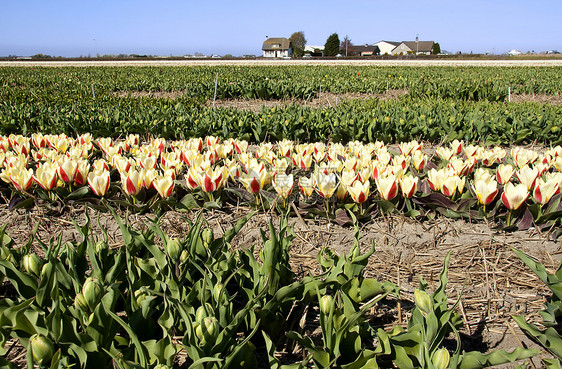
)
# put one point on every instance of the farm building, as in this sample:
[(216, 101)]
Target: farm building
[(314, 50), (386, 47), (362, 50), (277, 47), (413, 47)]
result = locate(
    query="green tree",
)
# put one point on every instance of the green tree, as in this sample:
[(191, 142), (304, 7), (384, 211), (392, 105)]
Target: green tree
[(298, 41), (436, 49), (332, 45)]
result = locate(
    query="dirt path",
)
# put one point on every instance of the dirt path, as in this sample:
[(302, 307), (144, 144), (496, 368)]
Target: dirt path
[(276, 62)]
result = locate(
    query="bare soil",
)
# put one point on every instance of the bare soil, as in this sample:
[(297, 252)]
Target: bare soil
[(538, 98), (490, 280)]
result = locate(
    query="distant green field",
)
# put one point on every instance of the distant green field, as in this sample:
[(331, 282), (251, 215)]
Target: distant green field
[(441, 102)]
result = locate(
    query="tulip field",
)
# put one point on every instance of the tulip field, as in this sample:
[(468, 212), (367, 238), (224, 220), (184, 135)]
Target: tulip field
[(133, 291)]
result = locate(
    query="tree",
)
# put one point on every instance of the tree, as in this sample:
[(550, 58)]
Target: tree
[(332, 45), (299, 43), (345, 45), (436, 49)]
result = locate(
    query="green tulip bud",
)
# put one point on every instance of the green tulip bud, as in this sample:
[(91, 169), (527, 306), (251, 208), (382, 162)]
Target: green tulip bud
[(93, 292), (80, 302), (42, 349), (201, 314), (208, 329), (140, 295), (184, 256), (217, 292), (174, 248), (101, 247), (326, 303), (423, 301), (32, 264), (441, 358), (207, 236)]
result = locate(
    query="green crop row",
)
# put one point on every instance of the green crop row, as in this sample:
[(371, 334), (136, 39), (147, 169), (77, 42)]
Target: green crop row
[(156, 299)]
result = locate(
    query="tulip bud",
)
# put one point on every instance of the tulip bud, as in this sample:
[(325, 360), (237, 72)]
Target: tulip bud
[(201, 314), (441, 358), (32, 264), (208, 329), (80, 302), (92, 291), (423, 301), (207, 236), (183, 256), (140, 295), (326, 303), (174, 248), (101, 247), (217, 289), (42, 349)]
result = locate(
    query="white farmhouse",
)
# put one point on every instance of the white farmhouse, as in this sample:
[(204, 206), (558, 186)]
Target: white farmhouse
[(386, 47), (277, 47), (413, 47)]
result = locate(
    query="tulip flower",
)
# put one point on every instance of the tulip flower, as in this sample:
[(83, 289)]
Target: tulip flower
[(544, 190), (347, 178), (132, 182), (146, 161), (456, 147), (384, 158), (514, 196), (67, 169), (303, 161), (148, 176), (409, 185), (419, 159), (483, 174), (21, 178), (453, 184), (387, 187), (284, 148), (359, 191), (46, 176), (485, 191), (253, 181), (445, 153), (407, 148), (470, 150), (99, 182), (377, 169), (325, 184), (504, 173), (283, 184), (164, 185), (306, 186), (527, 176), (213, 179), (38, 140), (82, 170), (240, 146), (435, 178)]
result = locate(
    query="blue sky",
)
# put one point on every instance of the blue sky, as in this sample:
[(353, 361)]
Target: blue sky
[(173, 27)]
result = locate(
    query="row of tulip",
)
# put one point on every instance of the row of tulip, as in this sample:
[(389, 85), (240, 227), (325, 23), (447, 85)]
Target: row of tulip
[(455, 171)]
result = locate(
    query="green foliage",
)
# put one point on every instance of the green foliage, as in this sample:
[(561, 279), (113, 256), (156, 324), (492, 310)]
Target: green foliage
[(441, 102), (436, 49), (420, 344), (550, 337), (298, 42), (332, 45)]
